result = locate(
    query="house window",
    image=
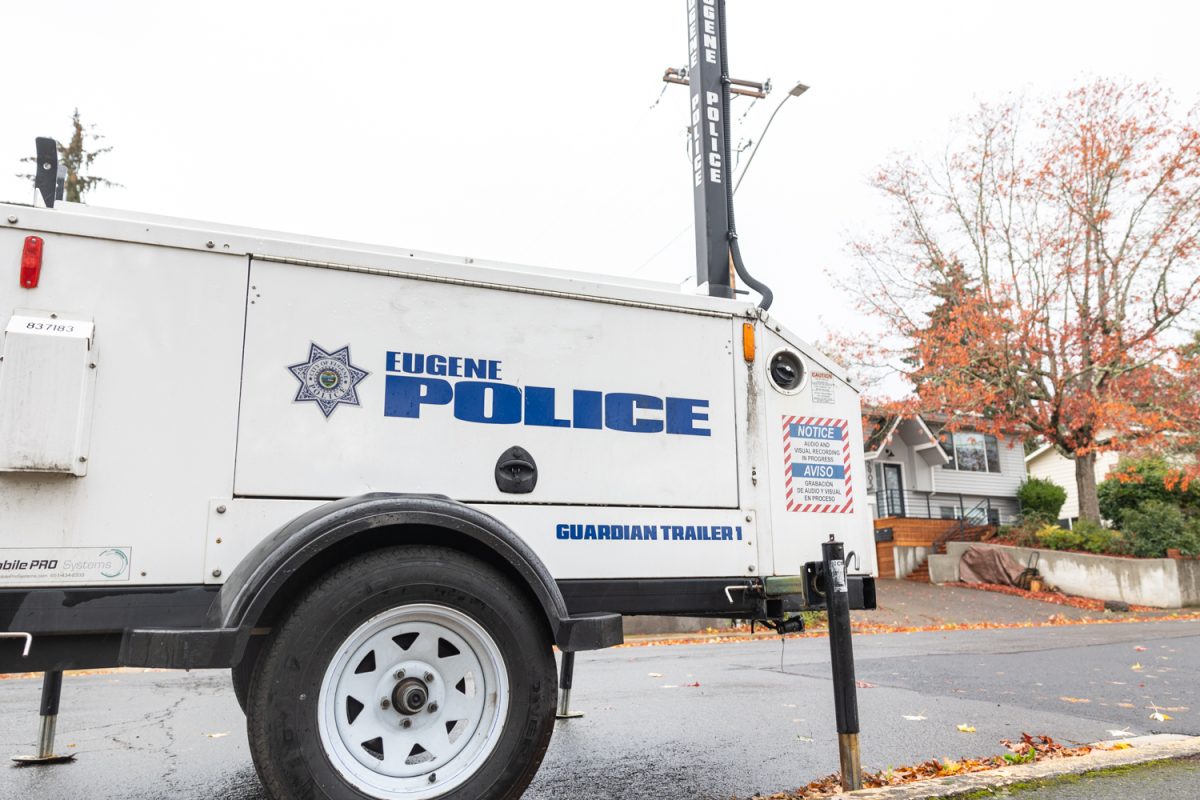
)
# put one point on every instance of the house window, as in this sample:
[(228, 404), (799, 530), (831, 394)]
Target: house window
[(969, 451)]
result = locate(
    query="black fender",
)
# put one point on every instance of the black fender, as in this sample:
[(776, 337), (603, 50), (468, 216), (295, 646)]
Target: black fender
[(280, 565)]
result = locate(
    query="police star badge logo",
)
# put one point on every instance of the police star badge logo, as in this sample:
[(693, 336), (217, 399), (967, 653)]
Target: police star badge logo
[(328, 379)]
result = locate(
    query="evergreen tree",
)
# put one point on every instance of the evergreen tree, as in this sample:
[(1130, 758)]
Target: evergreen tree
[(78, 157)]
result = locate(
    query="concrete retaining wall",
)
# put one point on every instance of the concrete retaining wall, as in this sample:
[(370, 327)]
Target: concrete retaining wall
[(1158, 582), (944, 569), (908, 559)]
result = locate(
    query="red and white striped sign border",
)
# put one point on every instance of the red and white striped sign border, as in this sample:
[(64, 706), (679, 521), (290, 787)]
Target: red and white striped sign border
[(817, 508)]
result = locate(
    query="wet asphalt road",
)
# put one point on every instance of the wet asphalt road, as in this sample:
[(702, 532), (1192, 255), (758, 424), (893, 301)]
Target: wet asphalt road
[(749, 726)]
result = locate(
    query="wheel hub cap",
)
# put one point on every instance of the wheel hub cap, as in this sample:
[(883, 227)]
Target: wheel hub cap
[(410, 696), (413, 702)]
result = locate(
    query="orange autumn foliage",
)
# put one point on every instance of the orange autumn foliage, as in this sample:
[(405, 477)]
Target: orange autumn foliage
[(1044, 276)]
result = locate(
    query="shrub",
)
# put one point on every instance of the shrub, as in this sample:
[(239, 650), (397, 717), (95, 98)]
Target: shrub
[(1155, 526), (1053, 537), (1042, 497), (1023, 534), (1100, 540), (1136, 481)]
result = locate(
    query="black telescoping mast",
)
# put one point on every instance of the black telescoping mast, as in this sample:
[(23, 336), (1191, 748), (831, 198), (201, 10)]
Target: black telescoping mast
[(717, 253)]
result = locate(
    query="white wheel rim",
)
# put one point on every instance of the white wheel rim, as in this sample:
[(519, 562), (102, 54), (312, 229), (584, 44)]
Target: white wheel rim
[(426, 649)]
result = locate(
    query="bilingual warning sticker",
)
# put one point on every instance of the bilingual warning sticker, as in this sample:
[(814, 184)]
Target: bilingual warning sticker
[(816, 460)]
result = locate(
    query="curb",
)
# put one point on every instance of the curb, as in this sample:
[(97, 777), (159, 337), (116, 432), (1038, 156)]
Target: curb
[(1144, 750)]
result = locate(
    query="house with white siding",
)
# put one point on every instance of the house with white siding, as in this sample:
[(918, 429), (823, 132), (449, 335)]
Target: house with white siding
[(918, 469), (1046, 462), (928, 485)]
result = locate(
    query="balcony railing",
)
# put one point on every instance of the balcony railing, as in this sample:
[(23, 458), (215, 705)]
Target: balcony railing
[(930, 505)]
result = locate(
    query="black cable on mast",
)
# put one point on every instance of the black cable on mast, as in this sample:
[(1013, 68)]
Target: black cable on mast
[(734, 251)]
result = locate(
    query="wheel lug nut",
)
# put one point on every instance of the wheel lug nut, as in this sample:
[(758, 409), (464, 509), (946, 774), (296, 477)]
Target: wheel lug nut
[(429, 677), (433, 777), (399, 674), (406, 723), (433, 707), (385, 704)]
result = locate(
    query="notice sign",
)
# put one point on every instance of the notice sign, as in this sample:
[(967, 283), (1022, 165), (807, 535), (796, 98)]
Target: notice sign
[(816, 459)]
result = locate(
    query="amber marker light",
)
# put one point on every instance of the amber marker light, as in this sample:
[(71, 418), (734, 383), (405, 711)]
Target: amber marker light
[(748, 341)]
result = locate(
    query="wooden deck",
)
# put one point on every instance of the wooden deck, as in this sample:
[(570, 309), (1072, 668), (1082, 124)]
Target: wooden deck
[(907, 532), (910, 532)]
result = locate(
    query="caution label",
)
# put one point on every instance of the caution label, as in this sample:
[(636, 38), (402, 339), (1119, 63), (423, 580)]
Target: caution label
[(816, 452), (823, 387)]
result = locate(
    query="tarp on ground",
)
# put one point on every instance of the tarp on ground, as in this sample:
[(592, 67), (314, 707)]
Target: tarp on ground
[(989, 565)]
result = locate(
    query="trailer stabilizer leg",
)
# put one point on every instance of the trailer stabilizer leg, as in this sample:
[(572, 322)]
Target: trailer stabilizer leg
[(841, 652), (48, 717), (566, 677)]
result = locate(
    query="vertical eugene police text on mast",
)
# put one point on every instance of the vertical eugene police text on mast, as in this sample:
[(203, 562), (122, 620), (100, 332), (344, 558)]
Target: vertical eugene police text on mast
[(702, 39)]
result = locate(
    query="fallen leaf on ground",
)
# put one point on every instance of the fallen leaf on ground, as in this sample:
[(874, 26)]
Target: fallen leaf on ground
[(692, 685), (1140, 649), (216, 735), (864, 685), (1126, 705), (964, 728), (914, 717), (655, 675), (1029, 748), (1158, 716), (1122, 746), (1136, 667), (1119, 734), (1075, 699), (669, 686)]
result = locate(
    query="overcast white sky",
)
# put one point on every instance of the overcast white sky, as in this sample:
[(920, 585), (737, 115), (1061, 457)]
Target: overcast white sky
[(522, 131)]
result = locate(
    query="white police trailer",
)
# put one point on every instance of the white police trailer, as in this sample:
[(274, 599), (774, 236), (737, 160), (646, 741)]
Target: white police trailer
[(382, 485)]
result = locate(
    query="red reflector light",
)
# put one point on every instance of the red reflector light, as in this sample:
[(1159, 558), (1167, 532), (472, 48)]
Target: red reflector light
[(31, 262)]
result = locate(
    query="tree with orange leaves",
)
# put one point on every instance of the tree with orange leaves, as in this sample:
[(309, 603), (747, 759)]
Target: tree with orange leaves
[(1044, 275)]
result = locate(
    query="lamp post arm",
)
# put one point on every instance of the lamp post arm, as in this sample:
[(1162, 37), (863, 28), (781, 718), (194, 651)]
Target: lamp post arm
[(757, 144)]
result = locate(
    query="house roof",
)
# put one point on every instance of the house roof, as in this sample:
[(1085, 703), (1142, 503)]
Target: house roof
[(882, 427), (937, 422), (1037, 453), (912, 430)]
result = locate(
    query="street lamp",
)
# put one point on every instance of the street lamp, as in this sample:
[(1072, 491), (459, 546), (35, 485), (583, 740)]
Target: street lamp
[(795, 91)]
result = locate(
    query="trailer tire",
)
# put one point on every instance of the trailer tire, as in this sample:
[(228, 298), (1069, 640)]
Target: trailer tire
[(243, 671), (414, 671)]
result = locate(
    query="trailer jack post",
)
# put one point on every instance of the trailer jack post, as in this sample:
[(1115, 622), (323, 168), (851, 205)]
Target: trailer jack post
[(48, 716), (566, 677), (841, 652)]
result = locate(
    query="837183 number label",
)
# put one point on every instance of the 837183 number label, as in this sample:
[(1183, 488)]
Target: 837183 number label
[(50, 326)]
